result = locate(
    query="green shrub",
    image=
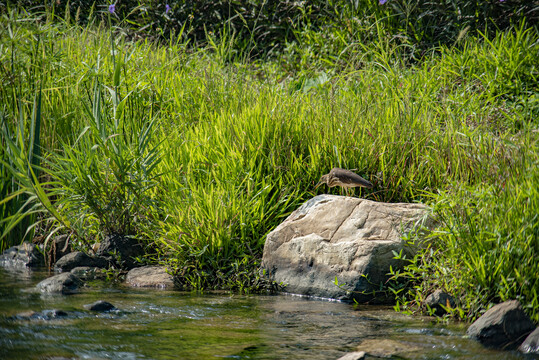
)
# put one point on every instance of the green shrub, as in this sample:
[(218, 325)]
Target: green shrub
[(485, 250), (269, 27), (431, 23)]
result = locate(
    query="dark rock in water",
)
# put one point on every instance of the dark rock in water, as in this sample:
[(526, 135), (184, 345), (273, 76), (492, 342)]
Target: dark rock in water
[(65, 283), (531, 344), (26, 255), (87, 273), (52, 314), (150, 276), (121, 250), (357, 355), (505, 326), (100, 306), (44, 315), (79, 259), (438, 299)]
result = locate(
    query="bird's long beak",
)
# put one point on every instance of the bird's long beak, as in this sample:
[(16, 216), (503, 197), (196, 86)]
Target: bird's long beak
[(322, 181)]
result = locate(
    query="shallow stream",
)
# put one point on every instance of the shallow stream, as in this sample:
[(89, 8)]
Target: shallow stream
[(160, 324)]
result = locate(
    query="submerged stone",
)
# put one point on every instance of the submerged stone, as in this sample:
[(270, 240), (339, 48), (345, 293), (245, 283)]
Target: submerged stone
[(54, 313), (65, 283), (357, 355), (100, 306), (27, 314), (43, 315), (387, 348)]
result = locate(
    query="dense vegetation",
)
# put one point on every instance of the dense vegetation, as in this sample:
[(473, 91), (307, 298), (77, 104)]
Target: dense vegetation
[(199, 141)]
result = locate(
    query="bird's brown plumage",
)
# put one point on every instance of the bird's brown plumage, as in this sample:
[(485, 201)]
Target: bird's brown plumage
[(343, 178)]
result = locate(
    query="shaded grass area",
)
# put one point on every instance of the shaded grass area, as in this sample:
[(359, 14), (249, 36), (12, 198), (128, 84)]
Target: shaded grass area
[(200, 156)]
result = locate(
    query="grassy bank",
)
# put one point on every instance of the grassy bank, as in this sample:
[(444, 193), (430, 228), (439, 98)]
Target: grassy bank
[(200, 155)]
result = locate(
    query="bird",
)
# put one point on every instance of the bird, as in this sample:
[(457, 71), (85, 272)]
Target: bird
[(343, 178)]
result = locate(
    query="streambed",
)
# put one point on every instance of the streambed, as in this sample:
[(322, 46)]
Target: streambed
[(161, 324)]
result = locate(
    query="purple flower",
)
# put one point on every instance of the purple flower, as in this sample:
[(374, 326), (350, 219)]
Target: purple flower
[(112, 8), (382, 2), (167, 7)]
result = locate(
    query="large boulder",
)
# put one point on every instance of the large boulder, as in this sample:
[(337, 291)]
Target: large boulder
[(22, 256), (334, 239), (503, 326)]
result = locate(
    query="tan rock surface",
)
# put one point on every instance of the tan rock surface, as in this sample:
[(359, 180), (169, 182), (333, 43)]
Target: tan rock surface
[(335, 237)]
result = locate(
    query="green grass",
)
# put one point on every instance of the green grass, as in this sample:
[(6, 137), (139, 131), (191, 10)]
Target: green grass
[(200, 155)]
